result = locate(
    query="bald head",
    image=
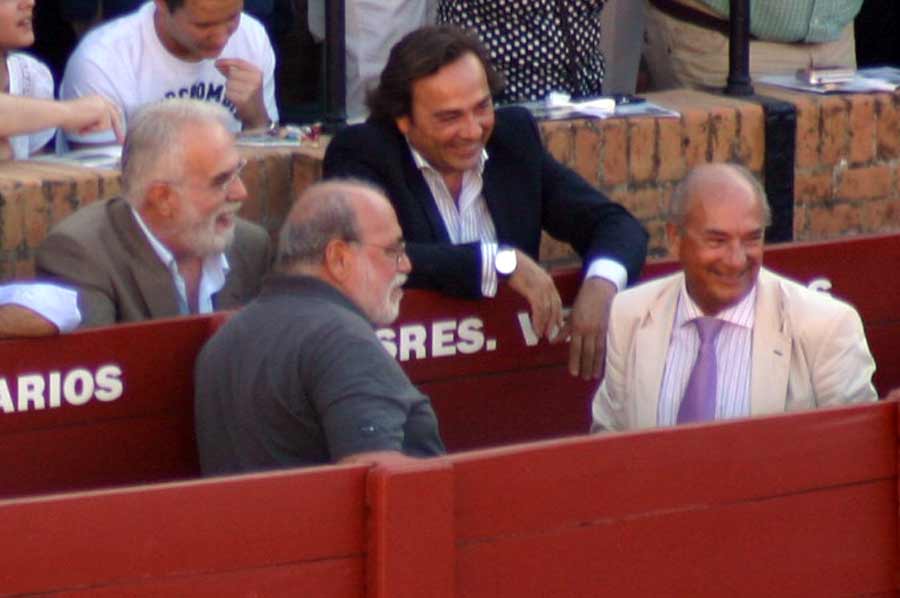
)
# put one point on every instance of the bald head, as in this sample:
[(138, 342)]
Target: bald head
[(325, 211), (346, 233), (716, 225), (708, 181)]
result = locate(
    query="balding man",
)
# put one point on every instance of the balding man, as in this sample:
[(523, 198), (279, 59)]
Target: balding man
[(173, 245), (724, 337), (299, 377)]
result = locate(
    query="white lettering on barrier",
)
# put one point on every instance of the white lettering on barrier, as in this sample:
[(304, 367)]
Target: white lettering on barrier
[(36, 391), (822, 285), (449, 337), (440, 338)]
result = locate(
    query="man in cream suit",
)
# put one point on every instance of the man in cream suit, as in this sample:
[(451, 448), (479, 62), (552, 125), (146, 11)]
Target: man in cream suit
[(173, 245), (778, 346)]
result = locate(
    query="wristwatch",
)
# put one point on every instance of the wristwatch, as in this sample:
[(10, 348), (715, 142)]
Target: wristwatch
[(505, 261)]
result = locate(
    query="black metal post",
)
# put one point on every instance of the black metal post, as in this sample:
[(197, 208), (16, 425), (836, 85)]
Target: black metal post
[(335, 65), (739, 50)]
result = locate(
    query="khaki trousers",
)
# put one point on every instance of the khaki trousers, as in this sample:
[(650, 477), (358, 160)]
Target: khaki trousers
[(680, 54)]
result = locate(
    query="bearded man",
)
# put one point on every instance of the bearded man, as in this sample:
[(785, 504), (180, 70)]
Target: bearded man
[(298, 377), (173, 244)]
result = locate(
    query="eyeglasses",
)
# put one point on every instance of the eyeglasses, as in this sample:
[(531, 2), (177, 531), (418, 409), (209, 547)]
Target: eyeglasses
[(395, 251), (223, 182)]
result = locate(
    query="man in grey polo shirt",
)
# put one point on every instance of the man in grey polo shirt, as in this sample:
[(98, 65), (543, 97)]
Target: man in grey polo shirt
[(299, 377)]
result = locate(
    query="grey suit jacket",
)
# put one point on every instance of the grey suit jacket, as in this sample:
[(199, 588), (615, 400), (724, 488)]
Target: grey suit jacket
[(808, 350), (101, 251)]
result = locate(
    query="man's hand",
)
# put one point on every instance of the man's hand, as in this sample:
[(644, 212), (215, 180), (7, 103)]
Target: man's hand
[(587, 327), (91, 114), (532, 282), (244, 87), (377, 458)]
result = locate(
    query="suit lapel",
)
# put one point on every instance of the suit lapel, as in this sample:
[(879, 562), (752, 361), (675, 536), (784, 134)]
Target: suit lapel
[(149, 274), (419, 188), (495, 187), (651, 346), (771, 352)]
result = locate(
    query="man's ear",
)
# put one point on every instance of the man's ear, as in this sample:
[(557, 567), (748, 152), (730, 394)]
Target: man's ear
[(338, 258), (162, 6), (673, 239), (160, 200), (403, 123)]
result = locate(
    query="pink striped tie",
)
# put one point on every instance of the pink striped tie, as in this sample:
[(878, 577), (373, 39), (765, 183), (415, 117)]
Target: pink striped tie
[(699, 402)]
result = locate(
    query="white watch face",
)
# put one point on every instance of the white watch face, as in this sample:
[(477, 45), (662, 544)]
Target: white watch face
[(505, 262)]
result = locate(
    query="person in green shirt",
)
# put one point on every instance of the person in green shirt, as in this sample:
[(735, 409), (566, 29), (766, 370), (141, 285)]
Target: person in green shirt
[(686, 41)]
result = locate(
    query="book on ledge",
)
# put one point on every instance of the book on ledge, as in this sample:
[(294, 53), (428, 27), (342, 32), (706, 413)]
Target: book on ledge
[(867, 80), (102, 156)]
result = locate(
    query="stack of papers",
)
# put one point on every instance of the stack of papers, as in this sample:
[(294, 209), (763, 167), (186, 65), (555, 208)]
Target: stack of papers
[(103, 156), (886, 78), (601, 107)]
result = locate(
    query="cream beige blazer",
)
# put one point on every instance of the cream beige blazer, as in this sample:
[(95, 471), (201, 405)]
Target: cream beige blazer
[(809, 350)]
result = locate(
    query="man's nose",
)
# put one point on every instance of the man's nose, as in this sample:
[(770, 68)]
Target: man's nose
[(236, 190), (405, 264), (472, 127), (737, 255)]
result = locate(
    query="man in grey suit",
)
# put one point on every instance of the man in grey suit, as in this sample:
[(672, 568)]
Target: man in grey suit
[(173, 244), (725, 337)]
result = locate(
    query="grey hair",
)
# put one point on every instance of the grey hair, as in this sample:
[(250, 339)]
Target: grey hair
[(679, 204), (323, 212), (154, 145)]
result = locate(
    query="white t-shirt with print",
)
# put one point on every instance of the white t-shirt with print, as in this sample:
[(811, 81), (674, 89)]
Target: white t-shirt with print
[(29, 77), (124, 61)]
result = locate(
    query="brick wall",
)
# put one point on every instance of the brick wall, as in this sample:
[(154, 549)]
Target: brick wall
[(36, 195), (846, 171), (638, 161)]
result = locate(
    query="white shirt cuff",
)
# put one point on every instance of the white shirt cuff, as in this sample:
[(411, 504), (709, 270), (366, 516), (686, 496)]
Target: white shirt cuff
[(57, 304), (488, 271), (611, 270)]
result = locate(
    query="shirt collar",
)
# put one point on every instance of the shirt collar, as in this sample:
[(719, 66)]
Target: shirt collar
[(739, 314), (215, 266), (423, 164)]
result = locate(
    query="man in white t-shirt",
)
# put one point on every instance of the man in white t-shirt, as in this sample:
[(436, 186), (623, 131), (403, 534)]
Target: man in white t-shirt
[(203, 49)]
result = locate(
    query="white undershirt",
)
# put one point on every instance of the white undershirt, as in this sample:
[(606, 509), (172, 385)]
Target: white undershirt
[(212, 276), (733, 358), (57, 304)]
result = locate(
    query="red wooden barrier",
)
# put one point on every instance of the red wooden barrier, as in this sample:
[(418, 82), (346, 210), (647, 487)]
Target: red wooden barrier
[(113, 406), (793, 505), (101, 407), (782, 506), (265, 535)]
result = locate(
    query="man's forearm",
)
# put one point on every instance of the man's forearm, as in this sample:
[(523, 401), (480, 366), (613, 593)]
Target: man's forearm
[(22, 115), (18, 321)]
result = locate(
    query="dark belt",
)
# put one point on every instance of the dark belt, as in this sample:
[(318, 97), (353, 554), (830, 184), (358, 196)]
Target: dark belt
[(693, 16)]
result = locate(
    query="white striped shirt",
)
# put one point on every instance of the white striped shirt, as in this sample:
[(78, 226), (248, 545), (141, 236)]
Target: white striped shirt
[(733, 359), (470, 220), (212, 276)]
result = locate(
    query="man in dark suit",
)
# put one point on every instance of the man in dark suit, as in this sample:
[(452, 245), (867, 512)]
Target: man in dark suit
[(173, 244), (473, 188)]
